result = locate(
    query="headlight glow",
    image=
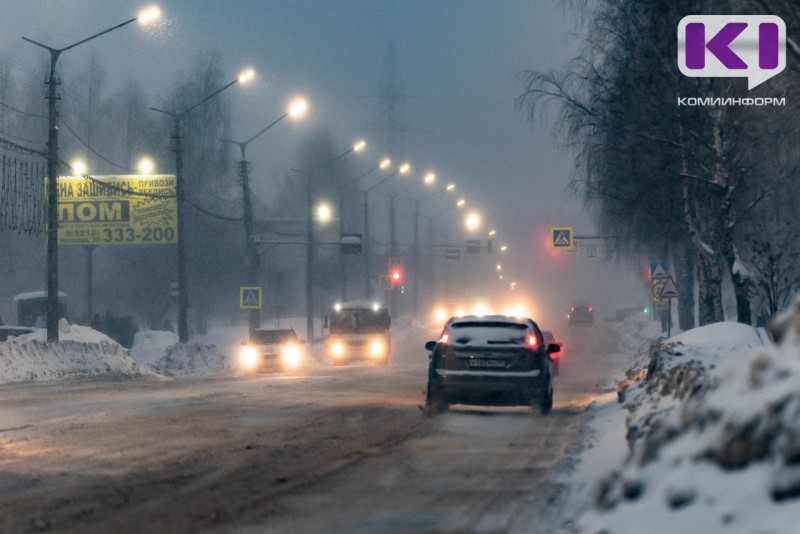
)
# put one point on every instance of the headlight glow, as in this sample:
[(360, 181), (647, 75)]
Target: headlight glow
[(291, 356), (249, 358), (440, 315), (337, 349), (377, 348)]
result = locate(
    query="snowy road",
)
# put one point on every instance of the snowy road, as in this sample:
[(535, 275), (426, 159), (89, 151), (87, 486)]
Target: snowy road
[(337, 450)]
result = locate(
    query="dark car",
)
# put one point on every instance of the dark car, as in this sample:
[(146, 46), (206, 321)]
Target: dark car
[(550, 339), (580, 313), (490, 361), (272, 349)]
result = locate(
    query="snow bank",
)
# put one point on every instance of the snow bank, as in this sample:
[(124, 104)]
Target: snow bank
[(80, 352), (192, 359), (714, 436)]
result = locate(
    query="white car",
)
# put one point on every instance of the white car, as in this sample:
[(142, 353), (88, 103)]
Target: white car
[(272, 350)]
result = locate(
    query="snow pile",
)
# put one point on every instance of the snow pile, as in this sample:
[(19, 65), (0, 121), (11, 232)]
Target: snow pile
[(192, 359), (713, 435), (80, 352), (151, 345)]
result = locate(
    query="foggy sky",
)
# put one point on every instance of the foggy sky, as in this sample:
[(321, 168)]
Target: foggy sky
[(458, 60)]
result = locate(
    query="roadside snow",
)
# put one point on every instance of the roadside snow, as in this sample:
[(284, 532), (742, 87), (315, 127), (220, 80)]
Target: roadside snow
[(713, 437), (80, 352)]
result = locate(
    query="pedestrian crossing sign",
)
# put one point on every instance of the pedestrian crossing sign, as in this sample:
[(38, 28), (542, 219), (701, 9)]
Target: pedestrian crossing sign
[(561, 237), (250, 298)]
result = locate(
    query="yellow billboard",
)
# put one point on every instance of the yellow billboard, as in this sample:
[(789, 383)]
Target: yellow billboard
[(117, 210)]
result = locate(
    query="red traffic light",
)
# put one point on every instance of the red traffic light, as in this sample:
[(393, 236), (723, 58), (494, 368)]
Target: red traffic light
[(395, 271)]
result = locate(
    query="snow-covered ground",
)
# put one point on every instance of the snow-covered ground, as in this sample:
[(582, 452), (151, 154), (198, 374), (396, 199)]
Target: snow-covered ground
[(708, 441), (707, 438)]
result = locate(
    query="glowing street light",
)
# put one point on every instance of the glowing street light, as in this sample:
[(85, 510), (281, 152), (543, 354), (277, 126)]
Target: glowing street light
[(492, 232), (499, 267), (145, 165), (359, 145), (472, 221), (79, 166), (430, 178), (298, 108), (177, 136), (450, 186), (148, 15), (461, 202), (324, 213), (52, 312), (504, 248)]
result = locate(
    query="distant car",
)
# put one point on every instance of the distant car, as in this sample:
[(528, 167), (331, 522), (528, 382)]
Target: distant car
[(549, 339), (580, 313), (272, 350), (490, 361)]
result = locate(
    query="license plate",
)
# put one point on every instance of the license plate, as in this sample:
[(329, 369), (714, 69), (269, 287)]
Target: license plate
[(481, 362)]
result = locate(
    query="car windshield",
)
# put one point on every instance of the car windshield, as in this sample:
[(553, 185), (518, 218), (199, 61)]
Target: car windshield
[(487, 333), (273, 336)]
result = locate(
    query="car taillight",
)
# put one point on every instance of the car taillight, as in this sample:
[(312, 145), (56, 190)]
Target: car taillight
[(590, 309), (531, 341), (443, 339)]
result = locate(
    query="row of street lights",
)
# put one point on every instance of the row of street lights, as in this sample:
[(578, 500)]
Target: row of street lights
[(296, 110)]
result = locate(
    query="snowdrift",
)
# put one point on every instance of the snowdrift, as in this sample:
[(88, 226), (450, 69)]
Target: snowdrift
[(81, 352), (714, 436)]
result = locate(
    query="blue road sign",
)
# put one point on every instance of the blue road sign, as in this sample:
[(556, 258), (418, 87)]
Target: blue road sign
[(659, 270), (250, 298)]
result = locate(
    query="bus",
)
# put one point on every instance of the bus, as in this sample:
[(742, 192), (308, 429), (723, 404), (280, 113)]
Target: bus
[(358, 330)]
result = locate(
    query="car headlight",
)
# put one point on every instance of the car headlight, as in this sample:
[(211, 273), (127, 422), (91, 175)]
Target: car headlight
[(377, 348), (291, 356), (249, 358), (337, 349)]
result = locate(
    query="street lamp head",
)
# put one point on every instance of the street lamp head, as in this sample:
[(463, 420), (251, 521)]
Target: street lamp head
[(405, 168), (145, 165), (472, 221), (298, 108), (246, 76), (450, 186), (79, 166), (385, 164), (324, 213), (461, 202), (492, 232), (430, 178), (503, 248), (149, 14), (499, 267), (360, 145)]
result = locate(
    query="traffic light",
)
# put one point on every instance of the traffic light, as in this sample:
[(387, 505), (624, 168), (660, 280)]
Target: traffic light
[(396, 272)]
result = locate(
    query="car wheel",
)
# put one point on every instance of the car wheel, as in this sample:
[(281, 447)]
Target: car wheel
[(435, 405), (546, 402)]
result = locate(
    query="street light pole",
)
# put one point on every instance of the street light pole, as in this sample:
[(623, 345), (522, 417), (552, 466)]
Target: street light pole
[(52, 169), (296, 109), (180, 193), (357, 147)]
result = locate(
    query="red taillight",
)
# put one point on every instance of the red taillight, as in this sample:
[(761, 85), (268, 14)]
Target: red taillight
[(572, 309), (531, 341), (590, 309), (443, 339)]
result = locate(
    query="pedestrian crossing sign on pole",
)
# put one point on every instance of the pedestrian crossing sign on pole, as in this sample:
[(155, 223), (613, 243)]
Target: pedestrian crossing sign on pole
[(250, 298), (561, 237)]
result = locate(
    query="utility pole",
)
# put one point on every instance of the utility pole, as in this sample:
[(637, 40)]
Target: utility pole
[(393, 253), (309, 262), (251, 254), (183, 295), (365, 249), (415, 271), (145, 16)]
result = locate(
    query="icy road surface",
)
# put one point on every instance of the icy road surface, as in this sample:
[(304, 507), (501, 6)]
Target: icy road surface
[(338, 450)]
